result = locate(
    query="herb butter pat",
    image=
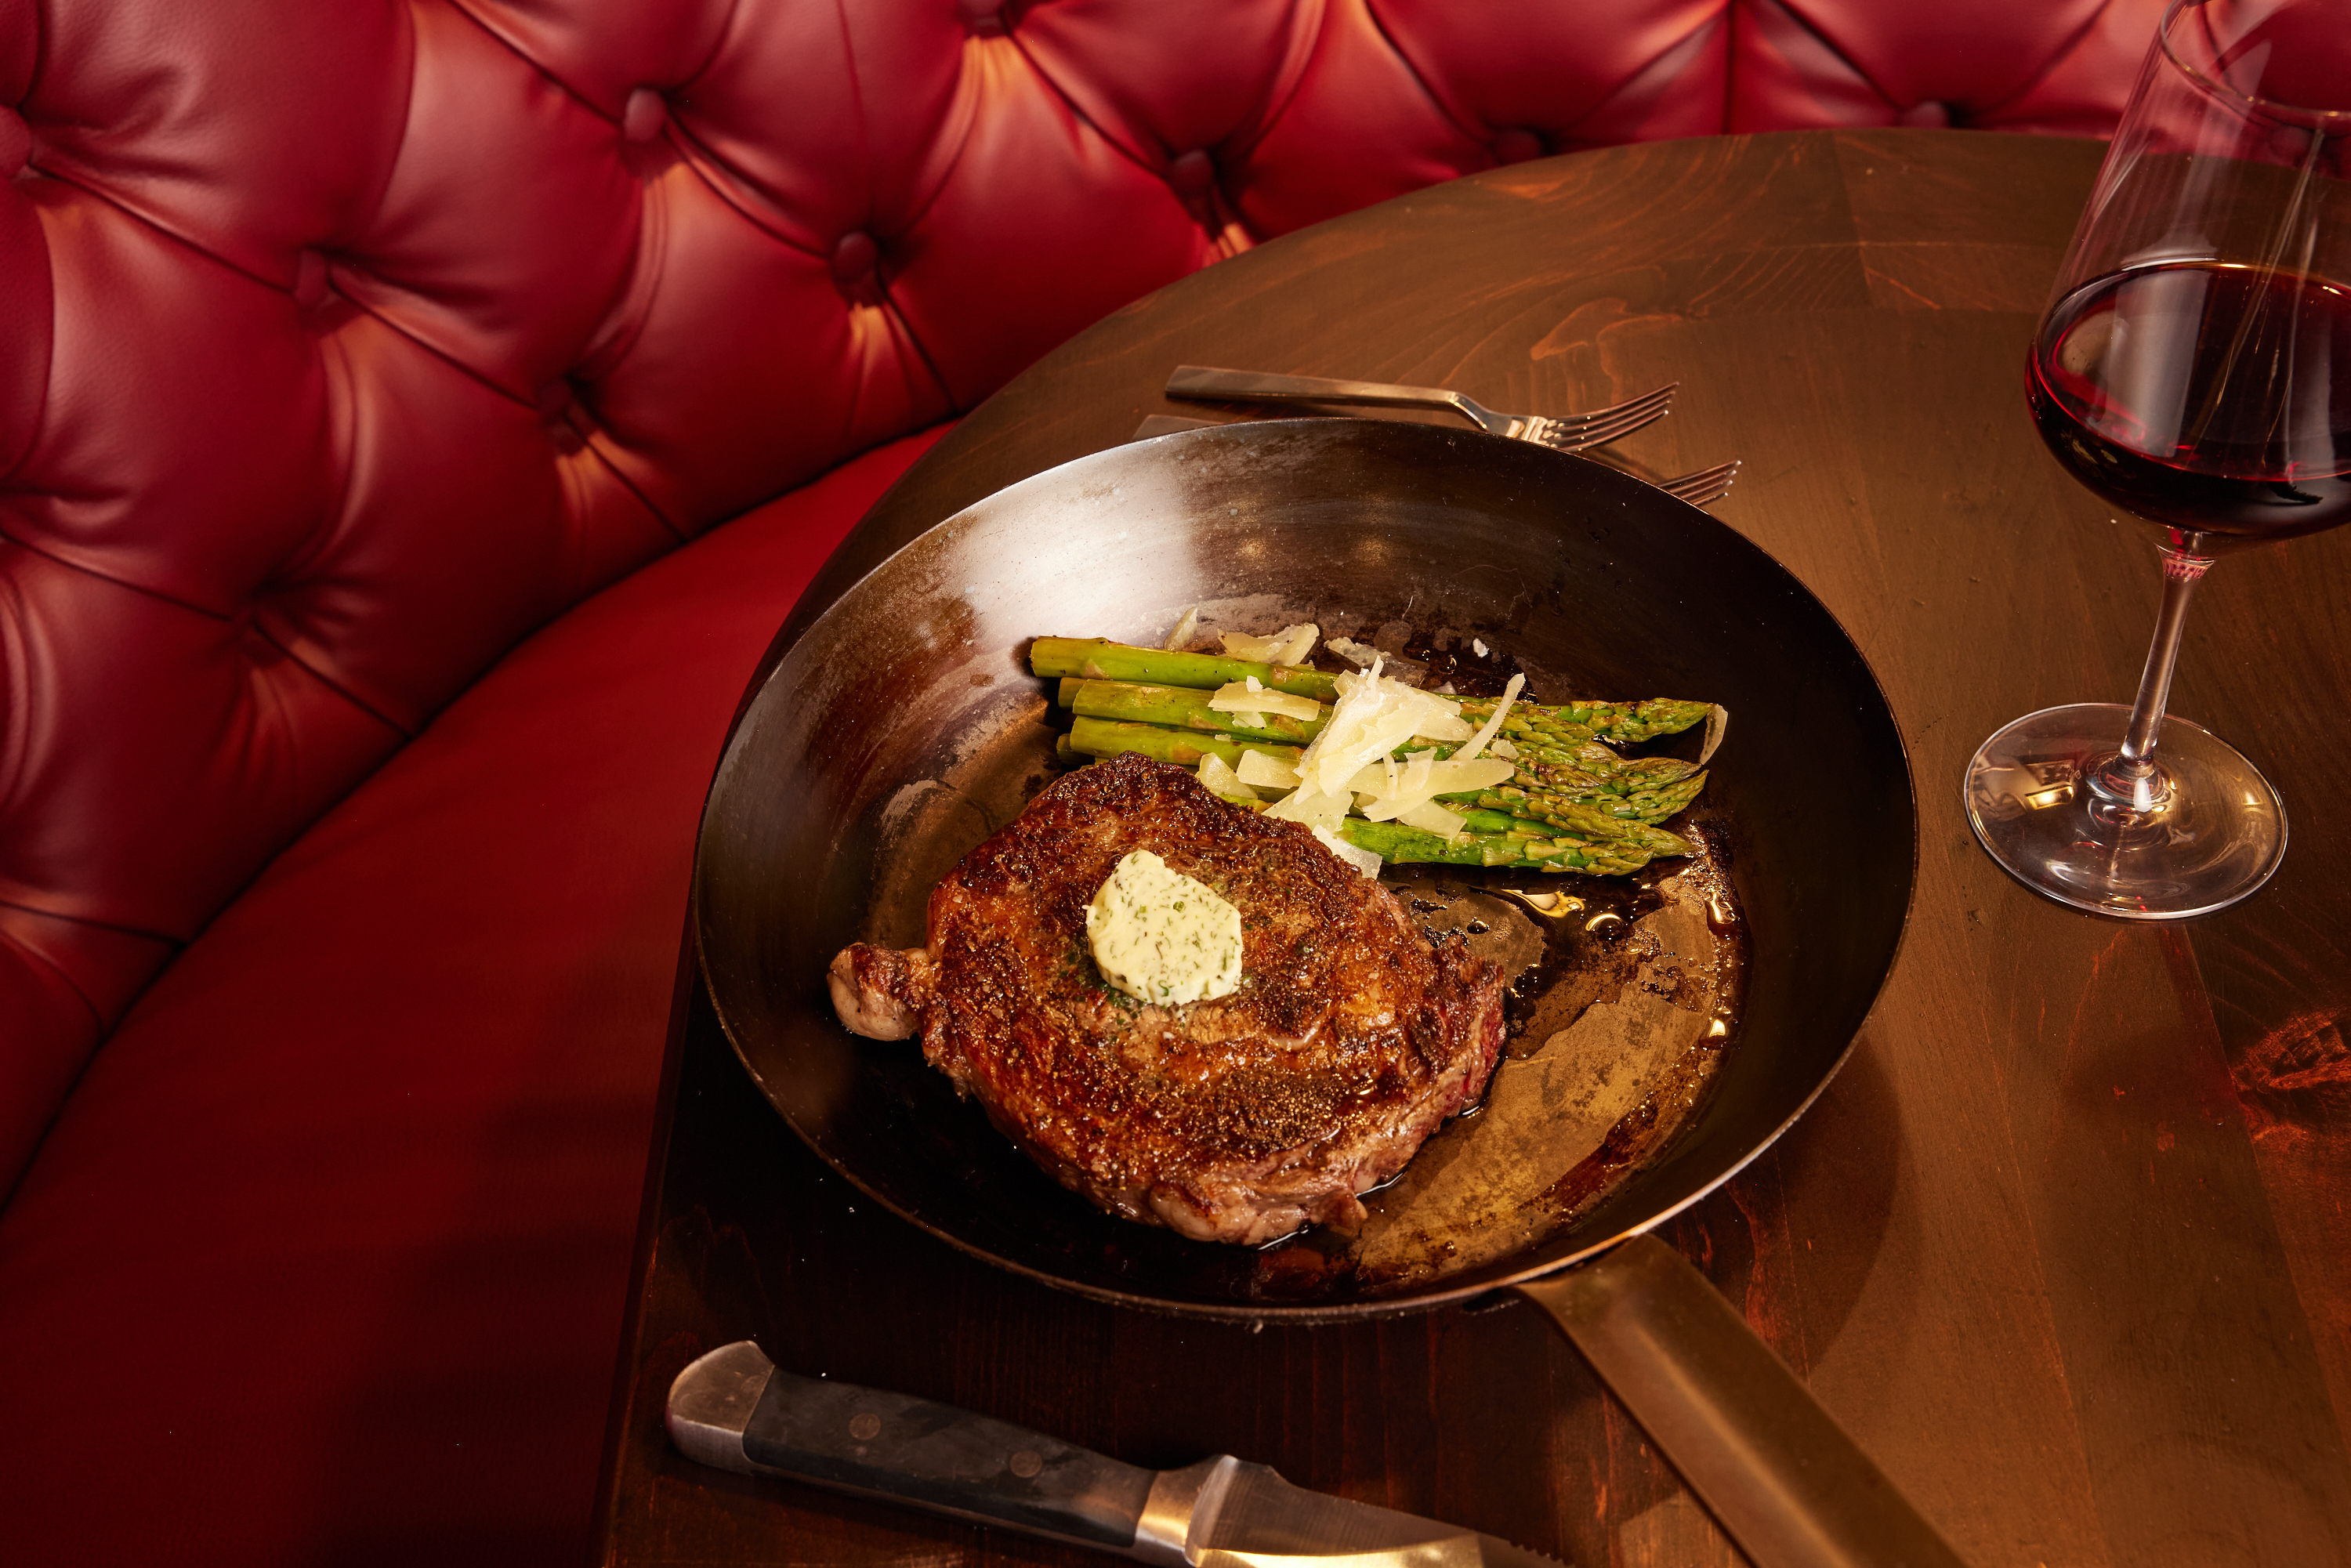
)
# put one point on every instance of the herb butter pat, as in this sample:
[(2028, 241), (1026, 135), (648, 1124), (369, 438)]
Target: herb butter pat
[(1161, 937)]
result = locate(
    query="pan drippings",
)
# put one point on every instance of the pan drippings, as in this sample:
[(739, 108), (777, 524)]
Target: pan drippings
[(1626, 995)]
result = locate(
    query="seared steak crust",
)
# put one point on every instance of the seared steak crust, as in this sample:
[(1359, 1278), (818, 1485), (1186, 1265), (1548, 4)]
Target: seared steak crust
[(1238, 1119)]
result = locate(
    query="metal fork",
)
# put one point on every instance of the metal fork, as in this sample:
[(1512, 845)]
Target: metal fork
[(1571, 432), (1703, 488), (1706, 486)]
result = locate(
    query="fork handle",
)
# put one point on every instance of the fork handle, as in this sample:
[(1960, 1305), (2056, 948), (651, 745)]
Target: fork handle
[(1253, 386)]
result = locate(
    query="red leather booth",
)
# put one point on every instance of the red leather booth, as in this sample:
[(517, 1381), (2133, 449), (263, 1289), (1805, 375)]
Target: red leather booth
[(375, 378)]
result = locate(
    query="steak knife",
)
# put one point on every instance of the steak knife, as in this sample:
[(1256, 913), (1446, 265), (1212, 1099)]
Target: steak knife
[(735, 1409)]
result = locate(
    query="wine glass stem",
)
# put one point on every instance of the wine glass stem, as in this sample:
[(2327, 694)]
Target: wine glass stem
[(2132, 777)]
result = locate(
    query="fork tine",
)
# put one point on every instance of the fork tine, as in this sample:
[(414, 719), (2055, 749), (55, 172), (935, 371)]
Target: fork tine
[(1600, 432), (1705, 486), (1721, 476), (1572, 423), (1654, 396)]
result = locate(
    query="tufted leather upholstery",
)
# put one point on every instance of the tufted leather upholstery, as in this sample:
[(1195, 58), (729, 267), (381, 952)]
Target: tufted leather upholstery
[(343, 344)]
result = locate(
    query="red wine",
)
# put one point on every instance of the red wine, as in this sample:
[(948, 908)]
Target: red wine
[(2208, 397)]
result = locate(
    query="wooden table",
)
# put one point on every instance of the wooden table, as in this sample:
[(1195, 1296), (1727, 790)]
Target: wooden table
[(2067, 1244)]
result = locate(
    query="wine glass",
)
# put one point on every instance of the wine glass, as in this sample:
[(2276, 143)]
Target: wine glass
[(2194, 366)]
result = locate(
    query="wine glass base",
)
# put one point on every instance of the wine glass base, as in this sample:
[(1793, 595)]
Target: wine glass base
[(2217, 838)]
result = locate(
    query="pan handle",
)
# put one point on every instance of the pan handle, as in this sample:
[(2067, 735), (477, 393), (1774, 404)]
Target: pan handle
[(1782, 1478)]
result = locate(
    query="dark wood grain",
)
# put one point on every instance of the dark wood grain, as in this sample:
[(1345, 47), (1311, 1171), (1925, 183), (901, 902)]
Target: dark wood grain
[(2066, 1246)]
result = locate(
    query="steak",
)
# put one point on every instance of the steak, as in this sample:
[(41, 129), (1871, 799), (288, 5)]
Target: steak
[(1238, 1119)]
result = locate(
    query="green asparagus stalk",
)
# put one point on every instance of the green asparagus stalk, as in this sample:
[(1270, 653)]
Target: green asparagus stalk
[(1494, 837), (1500, 824), (1097, 659), (1528, 796), (1114, 737), (1490, 839), (1611, 773), (1394, 842), (1650, 806), (1642, 789), (1565, 724), (1567, 737), (1183, 708), (1588, 765), (1576, 818), (1569, 724)]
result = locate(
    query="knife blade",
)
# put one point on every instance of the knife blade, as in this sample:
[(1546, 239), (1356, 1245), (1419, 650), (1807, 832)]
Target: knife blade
[(735, 1410)]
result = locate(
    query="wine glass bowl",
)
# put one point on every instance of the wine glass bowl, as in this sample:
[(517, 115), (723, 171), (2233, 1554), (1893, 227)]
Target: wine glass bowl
[(2209, 444), (2194, 368)]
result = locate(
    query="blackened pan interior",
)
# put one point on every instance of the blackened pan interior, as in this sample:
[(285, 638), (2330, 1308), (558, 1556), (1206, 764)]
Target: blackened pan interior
[(913, 683)]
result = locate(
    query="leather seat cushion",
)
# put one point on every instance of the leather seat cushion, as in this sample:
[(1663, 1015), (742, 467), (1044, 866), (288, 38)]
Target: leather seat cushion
[(325, 1258)]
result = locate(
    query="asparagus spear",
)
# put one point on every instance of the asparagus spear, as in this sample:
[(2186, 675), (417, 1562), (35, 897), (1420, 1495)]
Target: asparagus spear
[(1491, 839), (1649, 806), (1542, 739), (1607, 771), (1183, 707), (1570, 724), (1585, 766), (1530, 794), (1099, 659), (1496, 837), (1394, 842), (1567, 724), (1112, 738), (1576, 818)]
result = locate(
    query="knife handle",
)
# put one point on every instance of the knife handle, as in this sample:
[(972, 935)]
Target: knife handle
[(939, 1457)]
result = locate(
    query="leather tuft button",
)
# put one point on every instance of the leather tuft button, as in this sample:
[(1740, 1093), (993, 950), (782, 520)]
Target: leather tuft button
[(646, 112), (309, 280), (984, 18), (16, 142), (1516, 146), (853, 260), (1192, 174), (559, 402), (1928, 115)]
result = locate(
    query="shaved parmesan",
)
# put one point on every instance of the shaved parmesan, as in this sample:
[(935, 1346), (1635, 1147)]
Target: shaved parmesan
[(1184, 630), (1224, 783), (1359, 655), (1717, 719), (1362, 860), (1249, 698), (1494, 723), (1457, 776), (1373, 717), (1430, 816), (1291, 645), (1312, 807), (1354, 754), (1444, 721), (1262, 768), (1385, 792)]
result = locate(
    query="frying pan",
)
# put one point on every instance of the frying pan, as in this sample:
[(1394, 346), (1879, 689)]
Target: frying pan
[(902, 726)]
